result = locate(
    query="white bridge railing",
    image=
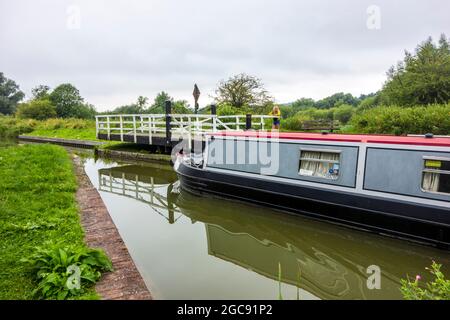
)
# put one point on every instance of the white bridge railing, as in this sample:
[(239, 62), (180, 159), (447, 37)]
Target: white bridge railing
[(151, 125)]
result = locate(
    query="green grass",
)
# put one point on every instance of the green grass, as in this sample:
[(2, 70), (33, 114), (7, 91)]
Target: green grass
[(66, 133), (37, 209), (75, 129)]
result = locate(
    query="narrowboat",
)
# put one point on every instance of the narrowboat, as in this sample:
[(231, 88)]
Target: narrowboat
[(393, 185)]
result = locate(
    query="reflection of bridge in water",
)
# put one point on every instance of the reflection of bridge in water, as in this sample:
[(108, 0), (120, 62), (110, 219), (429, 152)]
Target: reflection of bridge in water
[(152, 184), (333, 260)]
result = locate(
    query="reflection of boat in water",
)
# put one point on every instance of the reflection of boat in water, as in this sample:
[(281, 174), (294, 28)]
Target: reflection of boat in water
[(333, 260)]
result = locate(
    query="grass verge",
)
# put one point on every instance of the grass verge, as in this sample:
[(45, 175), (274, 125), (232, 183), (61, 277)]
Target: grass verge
[(37, 209)]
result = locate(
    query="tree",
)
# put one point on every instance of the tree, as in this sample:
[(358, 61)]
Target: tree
[(142, 102), (421, 78), (181, 107), (343, 113), (158, 105), (10, 95), (135, 108), (127, 109), (39, 109), (336, 100), (85, 111), (242, 90), (69, 103), (40, 92), (303, 103)]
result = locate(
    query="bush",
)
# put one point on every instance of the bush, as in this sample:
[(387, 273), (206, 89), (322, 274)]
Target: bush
[(64, 273), (343, 113), (368, 103), (399, 120), (11, 127), (294, 123), (229, 110), (54, 124), (438, 289), (36, 109)]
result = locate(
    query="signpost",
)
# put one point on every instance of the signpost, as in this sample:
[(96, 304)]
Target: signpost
[(196, 95)]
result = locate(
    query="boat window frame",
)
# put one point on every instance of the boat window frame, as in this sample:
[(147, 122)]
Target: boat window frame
[(335, 151), (424, 169)]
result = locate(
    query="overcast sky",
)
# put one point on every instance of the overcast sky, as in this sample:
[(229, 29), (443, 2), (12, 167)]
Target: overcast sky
[(114, 51)]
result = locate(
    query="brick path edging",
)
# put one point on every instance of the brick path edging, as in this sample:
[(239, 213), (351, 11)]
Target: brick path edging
[(125, 282)]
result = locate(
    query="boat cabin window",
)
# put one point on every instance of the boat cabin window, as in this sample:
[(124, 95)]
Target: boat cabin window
[(436, 175), (319, 163)]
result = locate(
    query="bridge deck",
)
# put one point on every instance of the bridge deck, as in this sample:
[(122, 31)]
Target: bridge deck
[(155, 140)]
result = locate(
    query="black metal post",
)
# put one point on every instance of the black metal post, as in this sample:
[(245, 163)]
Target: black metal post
[(248, 121), (213, 109), (168, 105)]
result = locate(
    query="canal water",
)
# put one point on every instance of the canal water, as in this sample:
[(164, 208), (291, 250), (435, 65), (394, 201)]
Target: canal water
[(199, 247)]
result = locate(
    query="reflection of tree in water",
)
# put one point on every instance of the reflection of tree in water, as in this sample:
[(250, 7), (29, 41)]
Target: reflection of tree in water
[(332, 260)]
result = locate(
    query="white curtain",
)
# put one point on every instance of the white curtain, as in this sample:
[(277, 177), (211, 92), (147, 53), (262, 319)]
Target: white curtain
[(430, 181), (317, 168)]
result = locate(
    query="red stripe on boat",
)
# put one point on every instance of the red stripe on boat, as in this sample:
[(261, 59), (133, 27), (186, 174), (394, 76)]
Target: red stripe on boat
[(367, 138)]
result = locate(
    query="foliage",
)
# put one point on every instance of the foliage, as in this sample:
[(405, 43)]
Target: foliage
[(37, 209), (142, 102), (11, 127), (38, 109), (77, 129), (10, 95), (421, 78), (181, 107), (159, 104), (69, 103), (127, 109), (53, 269), (242, 90), (438, 289), (40, 92), (343, 113), (368, 103), (228, 110), (400, 120), (303, 103), (138, 107), (336, 100)]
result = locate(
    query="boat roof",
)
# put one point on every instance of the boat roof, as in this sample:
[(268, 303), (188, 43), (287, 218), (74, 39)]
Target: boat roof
[(357, 138)]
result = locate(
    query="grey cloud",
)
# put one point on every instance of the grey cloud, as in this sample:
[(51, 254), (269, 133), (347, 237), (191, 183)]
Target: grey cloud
[(129, 48)]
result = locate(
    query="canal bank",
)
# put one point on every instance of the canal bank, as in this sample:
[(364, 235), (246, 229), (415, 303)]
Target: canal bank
[(125, 283), (38, 217), (47, 202)]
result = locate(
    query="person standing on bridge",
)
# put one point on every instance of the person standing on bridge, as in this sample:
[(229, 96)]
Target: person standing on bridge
[(277, 114)]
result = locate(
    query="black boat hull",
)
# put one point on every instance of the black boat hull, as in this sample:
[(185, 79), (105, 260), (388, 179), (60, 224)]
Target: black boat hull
[(419, 222)]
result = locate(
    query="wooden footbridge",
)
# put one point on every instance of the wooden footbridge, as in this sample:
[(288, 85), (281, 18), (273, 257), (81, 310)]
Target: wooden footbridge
[(168, 129)]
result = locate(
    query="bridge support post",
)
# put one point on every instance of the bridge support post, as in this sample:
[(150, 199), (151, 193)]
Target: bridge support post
[(168, 107), (248, 121)]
